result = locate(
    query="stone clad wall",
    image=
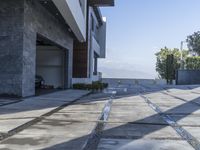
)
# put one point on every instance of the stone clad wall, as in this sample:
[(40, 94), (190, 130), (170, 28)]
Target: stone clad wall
[(11, 46), (188, 77), (21, 21), (123, 81)]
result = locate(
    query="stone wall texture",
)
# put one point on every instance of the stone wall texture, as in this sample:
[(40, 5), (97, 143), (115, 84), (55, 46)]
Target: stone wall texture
[(21, 22), (187, 77)]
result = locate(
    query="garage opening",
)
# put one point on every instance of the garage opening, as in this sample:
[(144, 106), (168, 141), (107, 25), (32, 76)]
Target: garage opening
[(50, 67)]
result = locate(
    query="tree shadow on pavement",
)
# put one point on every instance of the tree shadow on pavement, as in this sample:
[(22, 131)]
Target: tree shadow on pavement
[(140, 128)]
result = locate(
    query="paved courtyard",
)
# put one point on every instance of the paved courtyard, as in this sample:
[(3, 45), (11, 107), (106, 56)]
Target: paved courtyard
[(136, 117), (134, 124)]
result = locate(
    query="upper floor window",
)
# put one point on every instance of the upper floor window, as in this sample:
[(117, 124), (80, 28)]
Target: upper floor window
[(92, 23)]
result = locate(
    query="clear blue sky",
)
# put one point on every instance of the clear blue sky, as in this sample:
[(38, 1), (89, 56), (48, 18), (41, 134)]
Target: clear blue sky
[(137, 29)]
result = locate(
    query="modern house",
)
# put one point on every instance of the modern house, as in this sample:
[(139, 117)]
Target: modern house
[(37, 37), (86, 54)]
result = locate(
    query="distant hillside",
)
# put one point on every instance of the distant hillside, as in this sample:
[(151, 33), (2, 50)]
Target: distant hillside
[(114, 72)]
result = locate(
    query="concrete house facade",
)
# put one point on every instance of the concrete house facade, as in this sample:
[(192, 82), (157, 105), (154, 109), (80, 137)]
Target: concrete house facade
[(36, 38), (86, 54)]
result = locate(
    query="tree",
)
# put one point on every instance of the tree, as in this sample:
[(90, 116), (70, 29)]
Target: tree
[(194, 42), (193, 63), (170, 71), (161, 64)]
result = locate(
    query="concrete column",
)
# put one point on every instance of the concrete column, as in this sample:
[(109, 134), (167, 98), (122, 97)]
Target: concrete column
[(95, 65), (11, 47), (29, 63), (69, 58)]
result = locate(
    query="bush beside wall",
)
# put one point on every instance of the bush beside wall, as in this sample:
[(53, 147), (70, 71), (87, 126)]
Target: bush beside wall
[(95, 86), (193, 63)]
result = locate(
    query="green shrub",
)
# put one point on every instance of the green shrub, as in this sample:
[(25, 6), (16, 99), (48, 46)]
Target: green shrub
[(193, 63), (88, 87), (79, 86), (105, 85), (95, 86)]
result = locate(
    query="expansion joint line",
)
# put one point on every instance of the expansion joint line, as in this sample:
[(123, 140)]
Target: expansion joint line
[(9, 103), (94, 138), (26, 125), (193, 102), (179, 129)]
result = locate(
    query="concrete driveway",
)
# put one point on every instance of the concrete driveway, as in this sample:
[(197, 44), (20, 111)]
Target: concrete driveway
[(155, 118), (141, 117)]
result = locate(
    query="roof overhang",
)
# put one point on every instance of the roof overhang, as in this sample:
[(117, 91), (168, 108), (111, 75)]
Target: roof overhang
[(73, 15), (101, 3), (98, 15)]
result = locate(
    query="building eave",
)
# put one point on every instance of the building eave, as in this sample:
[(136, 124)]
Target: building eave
[(101, 3), (98, 14)]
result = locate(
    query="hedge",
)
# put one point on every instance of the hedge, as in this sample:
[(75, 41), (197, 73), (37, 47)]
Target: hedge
[(193, 63), (95, 86)]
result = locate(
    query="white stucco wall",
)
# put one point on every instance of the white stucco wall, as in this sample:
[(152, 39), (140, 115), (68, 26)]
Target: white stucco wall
[(74, 16)]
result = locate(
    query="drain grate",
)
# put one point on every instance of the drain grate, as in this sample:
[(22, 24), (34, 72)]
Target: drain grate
[(93, 140)]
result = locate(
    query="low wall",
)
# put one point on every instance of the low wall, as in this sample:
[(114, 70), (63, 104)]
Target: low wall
[(187, 77), (116, 81)]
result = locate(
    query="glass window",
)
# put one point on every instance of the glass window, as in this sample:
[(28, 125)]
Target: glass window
[(92, 23)]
